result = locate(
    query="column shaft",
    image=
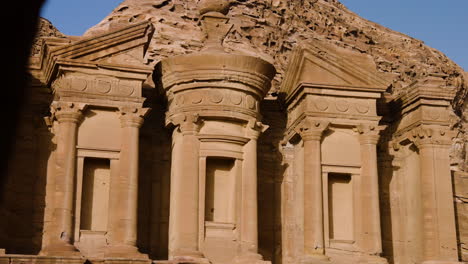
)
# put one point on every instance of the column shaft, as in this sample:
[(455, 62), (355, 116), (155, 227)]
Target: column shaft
[(123, 230), (249, 224), (183, 219), (371, 240), (62, 239), (129, 186), (313, 197)]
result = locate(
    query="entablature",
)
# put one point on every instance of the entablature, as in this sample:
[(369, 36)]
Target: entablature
[(427, 103)]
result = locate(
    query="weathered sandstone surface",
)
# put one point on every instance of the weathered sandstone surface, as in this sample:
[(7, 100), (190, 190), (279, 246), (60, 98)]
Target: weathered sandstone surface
[(272, 30)]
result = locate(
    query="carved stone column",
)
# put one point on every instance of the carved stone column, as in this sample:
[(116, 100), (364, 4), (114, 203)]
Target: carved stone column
[(68, 116), (438, 223), (249, 222), (370, 238), (183, 217), (311, 134), (124, 227)]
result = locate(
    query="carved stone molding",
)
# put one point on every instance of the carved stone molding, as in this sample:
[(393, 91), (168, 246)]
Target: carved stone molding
[(132, 116)]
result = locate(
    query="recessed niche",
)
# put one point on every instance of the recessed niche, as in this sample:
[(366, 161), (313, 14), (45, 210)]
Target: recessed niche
[(220, 190), (340, 206), (95, 194)]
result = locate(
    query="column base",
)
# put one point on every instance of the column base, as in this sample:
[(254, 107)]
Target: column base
[(188, 256), (126, 261), (61, 249), (441, 262), (120, 252), (251, 258), (30, 259), (315, 259), (373, 260), (189, 260)]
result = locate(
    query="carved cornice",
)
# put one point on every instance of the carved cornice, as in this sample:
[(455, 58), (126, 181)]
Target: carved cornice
[(132, 116), (431, 91), (223, 138)]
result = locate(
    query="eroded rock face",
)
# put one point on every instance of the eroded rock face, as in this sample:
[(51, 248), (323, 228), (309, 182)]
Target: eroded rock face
[(45, 29), (270, 29)]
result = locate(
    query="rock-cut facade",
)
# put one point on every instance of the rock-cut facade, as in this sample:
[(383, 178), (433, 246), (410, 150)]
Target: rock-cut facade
[(238, 132)]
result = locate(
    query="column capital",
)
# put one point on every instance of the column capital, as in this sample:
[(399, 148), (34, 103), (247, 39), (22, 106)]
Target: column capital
[(424, 137), (369, 134), (132, 116), (67, 112), (255, 128), (312, 129), (188, 123)]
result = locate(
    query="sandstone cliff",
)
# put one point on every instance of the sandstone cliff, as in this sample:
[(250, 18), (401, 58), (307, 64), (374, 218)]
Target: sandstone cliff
[(271, 28)]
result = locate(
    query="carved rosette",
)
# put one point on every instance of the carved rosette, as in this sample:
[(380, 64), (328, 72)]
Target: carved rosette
[(100, 85)]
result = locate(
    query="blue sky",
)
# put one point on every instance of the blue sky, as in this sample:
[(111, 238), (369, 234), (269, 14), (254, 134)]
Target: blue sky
[(440, 24)]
